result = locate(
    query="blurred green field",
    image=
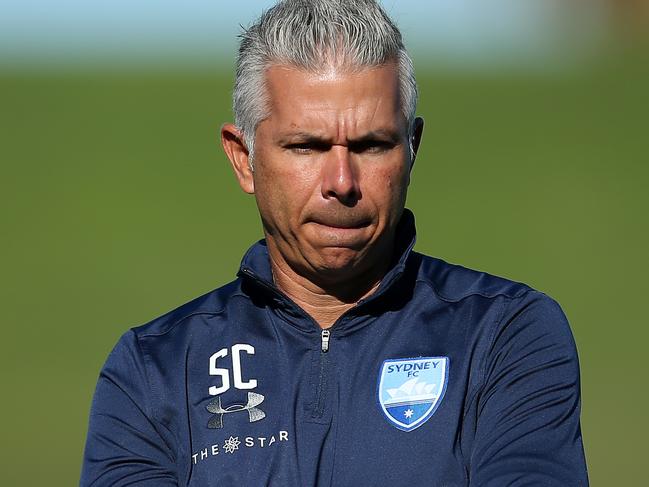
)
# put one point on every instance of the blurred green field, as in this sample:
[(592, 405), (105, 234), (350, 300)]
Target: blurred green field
[(118, 205)]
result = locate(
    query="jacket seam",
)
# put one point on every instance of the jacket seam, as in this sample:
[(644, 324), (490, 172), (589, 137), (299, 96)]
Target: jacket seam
[(490, 343), (148, 409), (483, 373), (187, 316), (178, 322), (483, 360), (475, 293)]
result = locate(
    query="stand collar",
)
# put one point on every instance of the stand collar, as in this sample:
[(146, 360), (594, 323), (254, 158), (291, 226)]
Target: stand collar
[(255, 265)]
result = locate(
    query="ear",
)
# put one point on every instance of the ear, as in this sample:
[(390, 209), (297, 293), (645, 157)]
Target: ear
[(417, 132), (236, 150)]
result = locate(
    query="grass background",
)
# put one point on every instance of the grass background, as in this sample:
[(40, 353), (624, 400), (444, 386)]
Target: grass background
[(118, 205)]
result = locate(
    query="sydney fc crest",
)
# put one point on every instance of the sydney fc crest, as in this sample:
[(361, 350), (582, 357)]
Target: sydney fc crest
[(410, 390)]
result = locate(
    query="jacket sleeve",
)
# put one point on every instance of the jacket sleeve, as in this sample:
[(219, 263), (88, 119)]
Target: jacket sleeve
[(125, 446), (528, 430)]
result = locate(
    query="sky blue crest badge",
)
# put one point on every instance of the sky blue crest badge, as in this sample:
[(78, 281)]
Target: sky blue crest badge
[(411, 389)]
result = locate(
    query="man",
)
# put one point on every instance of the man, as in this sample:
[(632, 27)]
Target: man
[(339, 356)]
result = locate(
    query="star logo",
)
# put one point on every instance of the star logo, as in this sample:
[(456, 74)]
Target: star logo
[(408, 413), (231, 444)]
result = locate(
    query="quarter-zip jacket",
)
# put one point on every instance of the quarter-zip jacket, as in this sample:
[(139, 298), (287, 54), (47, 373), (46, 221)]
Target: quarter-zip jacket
[(240, 387)]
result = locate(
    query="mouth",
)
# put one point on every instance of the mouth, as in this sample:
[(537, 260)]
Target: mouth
[(341, 233), (342, 224)]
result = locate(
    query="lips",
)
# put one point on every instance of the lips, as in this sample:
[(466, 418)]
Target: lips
[(342, 222), (343, 225)]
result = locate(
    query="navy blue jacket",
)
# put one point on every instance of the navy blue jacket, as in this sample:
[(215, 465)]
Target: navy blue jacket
[(443, 377)]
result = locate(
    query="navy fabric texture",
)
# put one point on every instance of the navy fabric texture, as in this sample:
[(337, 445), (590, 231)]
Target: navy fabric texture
[(509, 415)]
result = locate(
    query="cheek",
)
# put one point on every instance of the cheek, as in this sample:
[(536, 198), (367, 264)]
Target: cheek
[(389, 184), (282, 191)]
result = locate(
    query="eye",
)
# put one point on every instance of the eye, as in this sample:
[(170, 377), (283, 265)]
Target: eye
[(300, 148), (371, 147), (307, 147)]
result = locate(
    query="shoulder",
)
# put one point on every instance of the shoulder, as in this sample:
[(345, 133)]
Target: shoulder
[(453, 283), (516, 305), (143, 352), (212, 303)]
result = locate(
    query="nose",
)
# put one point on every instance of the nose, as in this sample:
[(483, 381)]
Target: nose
[(339, 177)]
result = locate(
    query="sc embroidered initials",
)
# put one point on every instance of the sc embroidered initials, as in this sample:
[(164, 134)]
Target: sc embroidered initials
[(224, 374)]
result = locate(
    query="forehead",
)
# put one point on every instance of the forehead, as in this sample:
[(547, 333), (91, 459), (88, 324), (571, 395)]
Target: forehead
[(347, 100)]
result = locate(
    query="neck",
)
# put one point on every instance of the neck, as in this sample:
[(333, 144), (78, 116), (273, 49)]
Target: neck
[(320, 301)]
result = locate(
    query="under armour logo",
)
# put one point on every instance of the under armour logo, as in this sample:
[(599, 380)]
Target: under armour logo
[(254, 413)]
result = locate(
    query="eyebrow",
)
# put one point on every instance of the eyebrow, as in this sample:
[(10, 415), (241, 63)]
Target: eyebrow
[(381, 134), (307, 137), (302, 138)]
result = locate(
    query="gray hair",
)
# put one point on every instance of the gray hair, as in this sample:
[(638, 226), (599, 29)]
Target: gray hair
[(310, 35)]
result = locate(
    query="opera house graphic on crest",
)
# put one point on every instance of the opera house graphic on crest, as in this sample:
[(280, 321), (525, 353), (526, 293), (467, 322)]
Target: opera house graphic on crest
[(410, 390)]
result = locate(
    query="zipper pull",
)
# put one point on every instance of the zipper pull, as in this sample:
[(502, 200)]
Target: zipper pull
[(325, 340)]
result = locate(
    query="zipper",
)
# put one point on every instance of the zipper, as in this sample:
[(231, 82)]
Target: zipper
[(319, 404), (326, 334), (325, 344)]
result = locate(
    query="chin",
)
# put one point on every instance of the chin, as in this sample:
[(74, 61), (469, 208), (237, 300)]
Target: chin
[(336, 260)]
